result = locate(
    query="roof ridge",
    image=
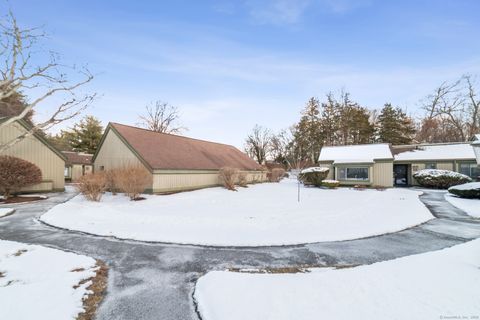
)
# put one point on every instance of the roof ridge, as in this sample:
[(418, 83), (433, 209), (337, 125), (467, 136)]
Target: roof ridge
[(357, 145), (171, 134)]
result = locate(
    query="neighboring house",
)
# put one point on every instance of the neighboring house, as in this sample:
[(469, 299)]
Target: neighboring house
[(408, 159), (38, 150), (385, 165), (78, 164), (367, 164), (176, 163)]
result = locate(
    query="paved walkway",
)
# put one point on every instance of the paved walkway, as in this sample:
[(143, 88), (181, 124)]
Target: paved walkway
[(156, 281)]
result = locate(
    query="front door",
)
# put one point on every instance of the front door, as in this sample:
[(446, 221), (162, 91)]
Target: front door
[(400, 174)]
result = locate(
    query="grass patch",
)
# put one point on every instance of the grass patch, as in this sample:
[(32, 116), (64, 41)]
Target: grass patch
[(97, 287), (20, 252)]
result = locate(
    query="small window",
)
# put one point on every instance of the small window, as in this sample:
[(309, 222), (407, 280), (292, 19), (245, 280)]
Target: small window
[(102, 168), (431, 165), (414, 168), (469, 169), (353, 173)]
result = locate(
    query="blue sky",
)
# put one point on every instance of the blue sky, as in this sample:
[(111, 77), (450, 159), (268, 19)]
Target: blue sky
[(231, 64)]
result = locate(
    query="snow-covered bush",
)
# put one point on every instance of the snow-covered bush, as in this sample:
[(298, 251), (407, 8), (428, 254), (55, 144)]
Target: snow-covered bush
[(313, 176), (133, 180), (92, 186), (276, 174), (440, 179), (228, 176), (16, 173), (468, 190), (331, 184)]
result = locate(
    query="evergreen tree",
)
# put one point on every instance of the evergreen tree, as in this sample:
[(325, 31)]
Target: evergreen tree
[(394, 126), (83, 137), (308, 134), (13, 105), (329, 122)]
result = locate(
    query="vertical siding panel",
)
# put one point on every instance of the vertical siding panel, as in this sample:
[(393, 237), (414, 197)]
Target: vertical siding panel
[(33, 150)]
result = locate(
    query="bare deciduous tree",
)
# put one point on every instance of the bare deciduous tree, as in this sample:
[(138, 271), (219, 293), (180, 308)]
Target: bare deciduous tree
[(258, 143), (162, 117), (40, 83)]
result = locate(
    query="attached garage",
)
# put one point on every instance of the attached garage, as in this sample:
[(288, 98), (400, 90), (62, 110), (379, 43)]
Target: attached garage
[(177, 163)]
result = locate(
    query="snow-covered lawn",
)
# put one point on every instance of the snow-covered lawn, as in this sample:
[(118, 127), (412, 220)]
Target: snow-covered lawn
[(263, 214), (5, 211), (470, 206), (427, 286), (38, 282)]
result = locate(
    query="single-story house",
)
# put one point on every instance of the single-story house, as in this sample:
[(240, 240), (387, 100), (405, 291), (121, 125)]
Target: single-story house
[(177, 163), (366, 164), (386, 165), (77, 165), (36, 149)]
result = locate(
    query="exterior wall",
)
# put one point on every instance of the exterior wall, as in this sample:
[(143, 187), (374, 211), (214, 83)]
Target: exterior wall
[(114, 153), (35, 151), (78, 170), (328, 164), (182, 180), (383, 174)]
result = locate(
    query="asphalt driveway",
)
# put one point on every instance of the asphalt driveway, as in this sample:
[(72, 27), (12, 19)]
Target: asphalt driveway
[(156, 281)]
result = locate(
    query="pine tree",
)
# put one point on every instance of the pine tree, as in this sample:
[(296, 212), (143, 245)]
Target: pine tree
[(83, 137), (308, 134), (87, 135), (395, 126), (329, 121)]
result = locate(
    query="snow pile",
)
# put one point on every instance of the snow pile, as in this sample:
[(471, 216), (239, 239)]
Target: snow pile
[(330, 181), (468, 186), (38, 282), (356, 153), (469, 206), (440, 151), (434, 285), (439, 173), (6, 211), (315, 169), (262, 214)]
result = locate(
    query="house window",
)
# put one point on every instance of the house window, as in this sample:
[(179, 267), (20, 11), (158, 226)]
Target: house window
[(102, 168), (469, 169), (66, 172), (353, 173), (431, 165), (414, 168)]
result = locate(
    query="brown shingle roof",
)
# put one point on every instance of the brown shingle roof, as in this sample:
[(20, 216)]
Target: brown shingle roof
[(77, 158), (168, 151)]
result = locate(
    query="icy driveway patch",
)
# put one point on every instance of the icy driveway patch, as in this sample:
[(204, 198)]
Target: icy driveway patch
[(470, 206), (427, 286), (264, 214)]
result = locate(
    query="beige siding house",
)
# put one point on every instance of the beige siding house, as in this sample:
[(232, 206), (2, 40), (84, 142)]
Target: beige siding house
[(37, 150), (176, 163), (78, 164), (387, 166), (369, 164)]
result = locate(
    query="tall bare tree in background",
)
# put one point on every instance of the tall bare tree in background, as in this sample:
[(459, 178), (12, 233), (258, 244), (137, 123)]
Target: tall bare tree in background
[(452, 112), (36, 86), (162, 117), (258, 143)]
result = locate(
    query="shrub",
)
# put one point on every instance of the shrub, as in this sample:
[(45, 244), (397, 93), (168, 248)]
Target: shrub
[(313, 176), (228, 176), (133, 180), (92, 186), (276, 174), (468, 190), (242, 179), (16, 173), (440, 179), (111, 177), (331, 184)]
